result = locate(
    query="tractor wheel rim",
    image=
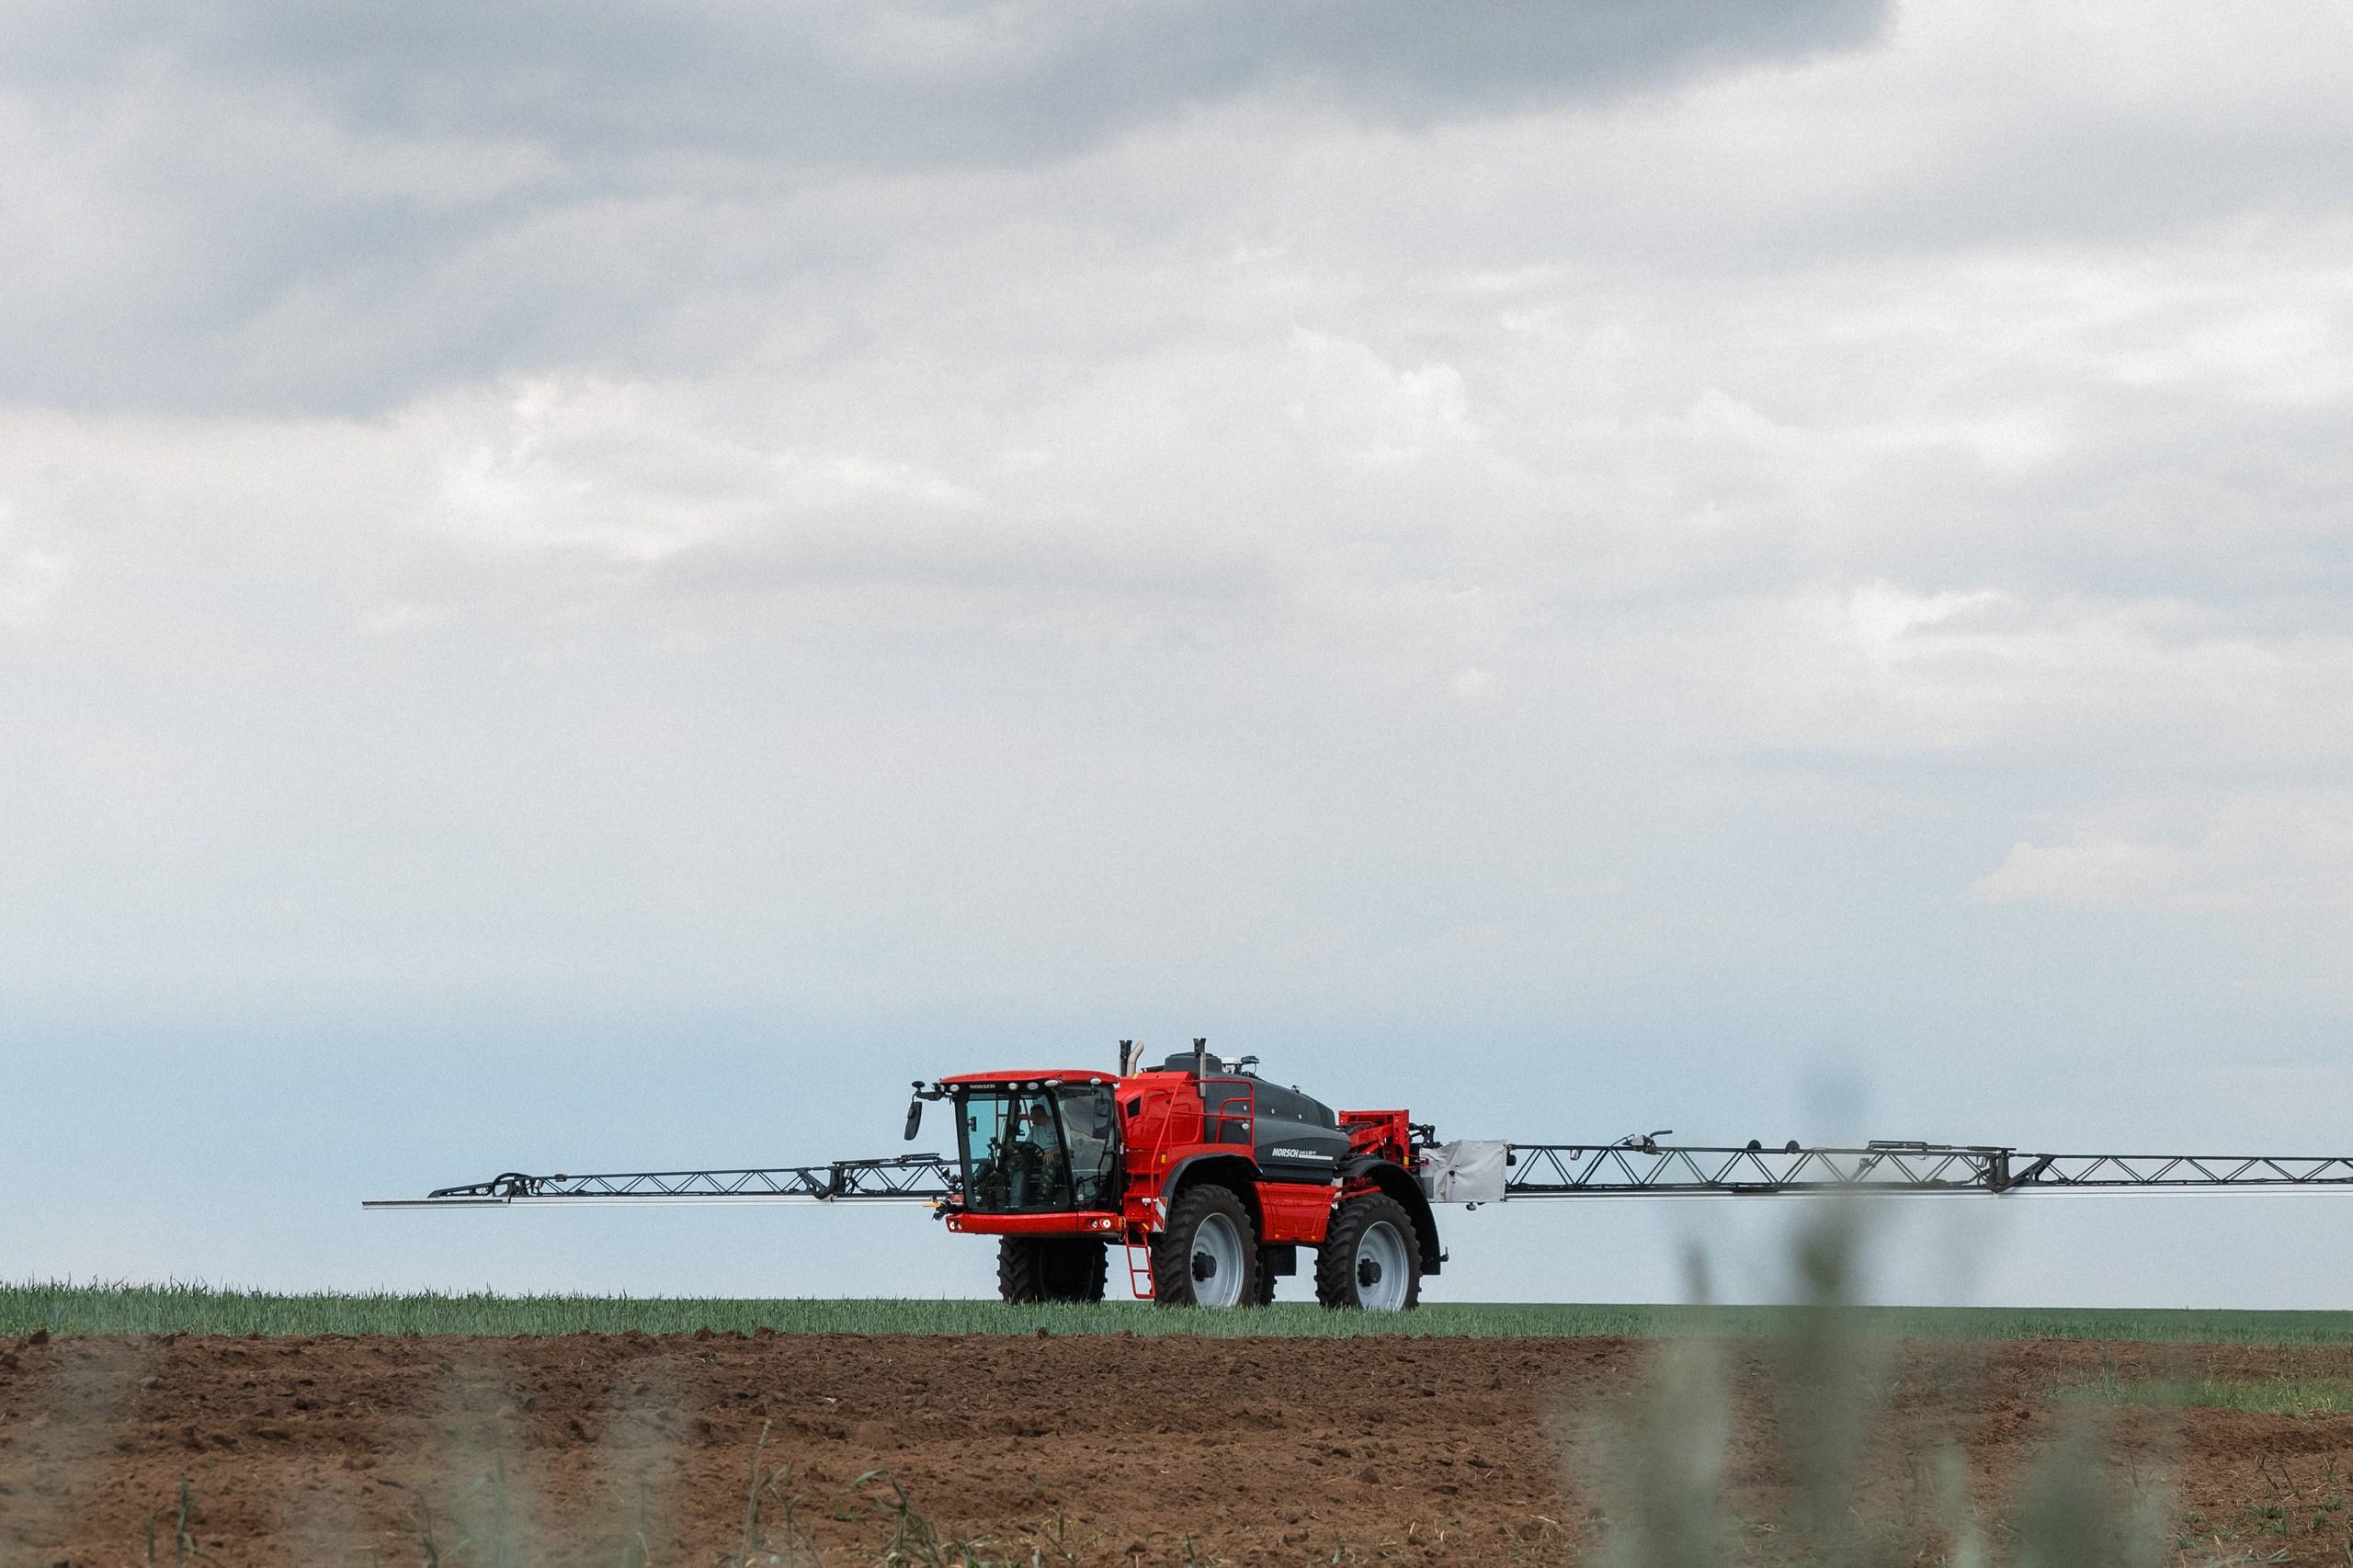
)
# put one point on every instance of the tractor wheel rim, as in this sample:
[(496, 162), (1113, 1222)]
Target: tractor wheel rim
[(1383, 1268), (1217, 1262)]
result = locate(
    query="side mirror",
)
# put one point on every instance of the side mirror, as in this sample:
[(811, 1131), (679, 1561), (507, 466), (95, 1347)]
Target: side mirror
[(914, 1118)]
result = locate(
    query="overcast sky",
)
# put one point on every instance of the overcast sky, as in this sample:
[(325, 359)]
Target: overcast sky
[(593, 585)]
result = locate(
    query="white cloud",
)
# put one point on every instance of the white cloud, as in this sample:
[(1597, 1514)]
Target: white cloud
[(2252, 852), (1472, 684), (1883, 616), (28, 583), (31, 577)]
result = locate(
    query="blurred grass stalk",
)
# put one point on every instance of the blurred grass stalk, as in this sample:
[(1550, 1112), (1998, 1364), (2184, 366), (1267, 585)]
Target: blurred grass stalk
[(1662, 1470)]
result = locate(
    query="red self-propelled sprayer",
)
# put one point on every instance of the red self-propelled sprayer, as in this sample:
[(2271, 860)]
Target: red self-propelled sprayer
[(1211, 1179)]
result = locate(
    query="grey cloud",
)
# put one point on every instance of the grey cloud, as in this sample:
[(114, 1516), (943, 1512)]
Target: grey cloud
[(866, 85), (283, 206), (2089, 181)]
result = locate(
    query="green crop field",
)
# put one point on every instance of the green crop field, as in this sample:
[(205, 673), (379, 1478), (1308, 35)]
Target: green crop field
[(190, 1309), (2265, 1396)]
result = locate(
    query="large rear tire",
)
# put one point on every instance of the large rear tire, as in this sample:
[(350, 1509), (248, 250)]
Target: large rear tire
[(1208, 1255), (1051, 1268), (1371, 1256)]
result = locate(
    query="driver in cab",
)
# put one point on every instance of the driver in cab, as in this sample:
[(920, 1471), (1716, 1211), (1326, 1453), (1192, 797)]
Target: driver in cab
[(1038, 1131)]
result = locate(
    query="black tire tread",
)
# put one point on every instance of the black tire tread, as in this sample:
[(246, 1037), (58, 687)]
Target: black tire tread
[(1051, 1268), (1172, 1249), (1335, 1277)]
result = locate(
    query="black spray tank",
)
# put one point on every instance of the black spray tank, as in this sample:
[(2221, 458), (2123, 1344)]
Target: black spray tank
[(1293, 1137)]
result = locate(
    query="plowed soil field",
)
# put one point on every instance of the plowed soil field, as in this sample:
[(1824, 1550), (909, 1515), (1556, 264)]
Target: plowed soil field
[(632, 1449)]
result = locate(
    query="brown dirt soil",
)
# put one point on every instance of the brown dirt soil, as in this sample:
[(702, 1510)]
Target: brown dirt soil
[(1090, 1449)]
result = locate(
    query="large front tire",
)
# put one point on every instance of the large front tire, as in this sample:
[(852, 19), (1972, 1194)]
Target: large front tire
[(1208, 1255), (1051, 1268), (1371, 1256)]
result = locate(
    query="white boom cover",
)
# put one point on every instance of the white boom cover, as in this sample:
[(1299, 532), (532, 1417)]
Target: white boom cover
[(1466, 1171)]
